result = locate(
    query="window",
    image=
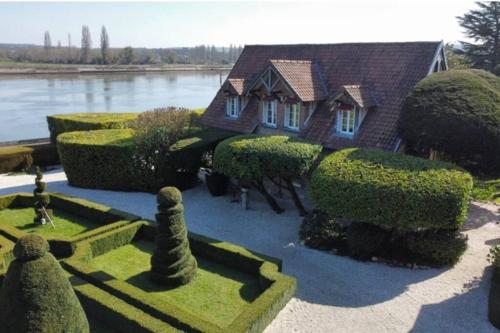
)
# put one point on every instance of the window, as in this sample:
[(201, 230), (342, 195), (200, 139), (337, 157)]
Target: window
[(346, 120), (233, 107), (269, 113), (292, 116)]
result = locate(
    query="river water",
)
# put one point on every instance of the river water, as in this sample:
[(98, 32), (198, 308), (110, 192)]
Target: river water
[(26, 100)]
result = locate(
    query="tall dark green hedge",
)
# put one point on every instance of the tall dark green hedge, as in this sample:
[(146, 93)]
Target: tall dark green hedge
[(254, 158), (456, 113), (36, 296), (100, 159), (62, 123), (391, 190)]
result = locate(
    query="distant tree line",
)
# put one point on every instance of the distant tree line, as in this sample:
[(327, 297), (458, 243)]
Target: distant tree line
[(86, 54)]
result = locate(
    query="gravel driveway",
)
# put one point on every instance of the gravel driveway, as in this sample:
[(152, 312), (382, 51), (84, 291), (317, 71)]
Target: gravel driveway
[(335, 294)]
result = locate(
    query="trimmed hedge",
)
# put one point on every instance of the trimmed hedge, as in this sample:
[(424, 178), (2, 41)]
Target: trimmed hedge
[(252, 158), (100, 159), (109, 218), (62, 123), (36, 295), (456, 113), (277, 288), (391, 190), (20, 158)]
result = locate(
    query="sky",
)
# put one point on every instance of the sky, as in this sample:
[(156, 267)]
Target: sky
[(174, 24)]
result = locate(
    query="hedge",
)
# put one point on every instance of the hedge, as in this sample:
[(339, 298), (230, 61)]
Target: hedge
[(100, 159), (456, 113), (62, 123), (109, 218), (277, 288), (20, 158), (252, 158), (104, 159), (391, 190)]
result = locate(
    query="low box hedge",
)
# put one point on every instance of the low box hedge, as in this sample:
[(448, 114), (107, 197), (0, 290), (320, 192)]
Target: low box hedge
[(277, 289), (62, 123), (101, 159), (19, 158), (109, 218), (391, 190)]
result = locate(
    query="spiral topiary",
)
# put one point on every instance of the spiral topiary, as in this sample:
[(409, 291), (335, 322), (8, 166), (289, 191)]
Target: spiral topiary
[(36, 296), (172, 262), (42, 198)]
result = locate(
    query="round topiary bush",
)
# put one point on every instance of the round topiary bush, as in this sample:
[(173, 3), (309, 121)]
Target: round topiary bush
[(100, 159), (36, 296), (456, 113), (391, 190), (253, 158), (172, 262), (62, 123)]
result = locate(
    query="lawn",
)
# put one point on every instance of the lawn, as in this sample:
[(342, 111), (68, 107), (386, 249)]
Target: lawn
[(487, 190), (218, 293), (66, 225)]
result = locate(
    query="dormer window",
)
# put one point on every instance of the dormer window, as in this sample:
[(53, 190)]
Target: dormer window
[(233, 105), (269, 109), (346, 120), (292, 116)]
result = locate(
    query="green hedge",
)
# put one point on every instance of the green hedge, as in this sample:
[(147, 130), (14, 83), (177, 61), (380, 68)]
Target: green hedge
[(20, 158), (278, 288), (61, 247), (391, 190), (100, 159), (62, 123)]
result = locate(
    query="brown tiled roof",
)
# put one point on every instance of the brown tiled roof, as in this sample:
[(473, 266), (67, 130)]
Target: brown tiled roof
[(238, 85), (361, 95), (391, 70), (304, 77)]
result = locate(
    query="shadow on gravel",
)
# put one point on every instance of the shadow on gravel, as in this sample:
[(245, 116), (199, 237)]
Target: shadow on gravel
[(459, 310), (479, 216)]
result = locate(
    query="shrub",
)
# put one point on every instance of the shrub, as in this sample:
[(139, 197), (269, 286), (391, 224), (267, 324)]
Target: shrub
[(100, 159), (156, 131), (436, 247), (168, 265), (61, 123), (391, 190), (36, 296), (322, 232), (365, 240), (253, 158), (456, 113), (15, 158)]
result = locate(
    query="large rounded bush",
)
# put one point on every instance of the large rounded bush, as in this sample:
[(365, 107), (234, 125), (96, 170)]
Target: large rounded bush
[(456, 113), (391, 190), (62, 123), (100, 159)]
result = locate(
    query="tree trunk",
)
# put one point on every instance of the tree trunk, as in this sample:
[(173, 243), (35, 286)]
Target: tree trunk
[(270, 199), (295, 197)]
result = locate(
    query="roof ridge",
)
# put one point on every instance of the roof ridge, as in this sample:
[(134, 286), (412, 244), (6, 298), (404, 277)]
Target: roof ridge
[(291, 61), (349, 43)]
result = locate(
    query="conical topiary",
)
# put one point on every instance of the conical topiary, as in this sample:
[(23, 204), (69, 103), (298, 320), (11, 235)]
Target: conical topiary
[(36, 296), (172, 262), (42, 199)]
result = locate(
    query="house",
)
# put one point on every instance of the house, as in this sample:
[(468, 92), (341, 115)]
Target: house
[(338, 95)]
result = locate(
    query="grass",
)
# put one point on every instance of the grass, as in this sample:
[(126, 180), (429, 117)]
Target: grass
[(487, 190), (218, 293), (67, 225)]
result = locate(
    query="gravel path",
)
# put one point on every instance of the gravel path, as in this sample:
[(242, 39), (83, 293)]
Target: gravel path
[(334, 293)]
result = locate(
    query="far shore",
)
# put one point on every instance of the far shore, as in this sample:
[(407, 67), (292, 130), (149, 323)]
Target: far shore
[(12, 68)]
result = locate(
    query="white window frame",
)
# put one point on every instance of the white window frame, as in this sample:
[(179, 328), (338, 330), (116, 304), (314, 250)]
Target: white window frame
[(350, 121), (233, 104), (295, 118), (269, 112)]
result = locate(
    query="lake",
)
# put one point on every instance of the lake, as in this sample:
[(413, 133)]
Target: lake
[(26, 100)]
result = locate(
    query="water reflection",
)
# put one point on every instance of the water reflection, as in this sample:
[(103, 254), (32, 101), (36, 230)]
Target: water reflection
[(25, 100)]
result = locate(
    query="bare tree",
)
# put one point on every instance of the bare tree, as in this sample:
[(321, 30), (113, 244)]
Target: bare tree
[(104, 45), (69, 49), (86, 44)]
